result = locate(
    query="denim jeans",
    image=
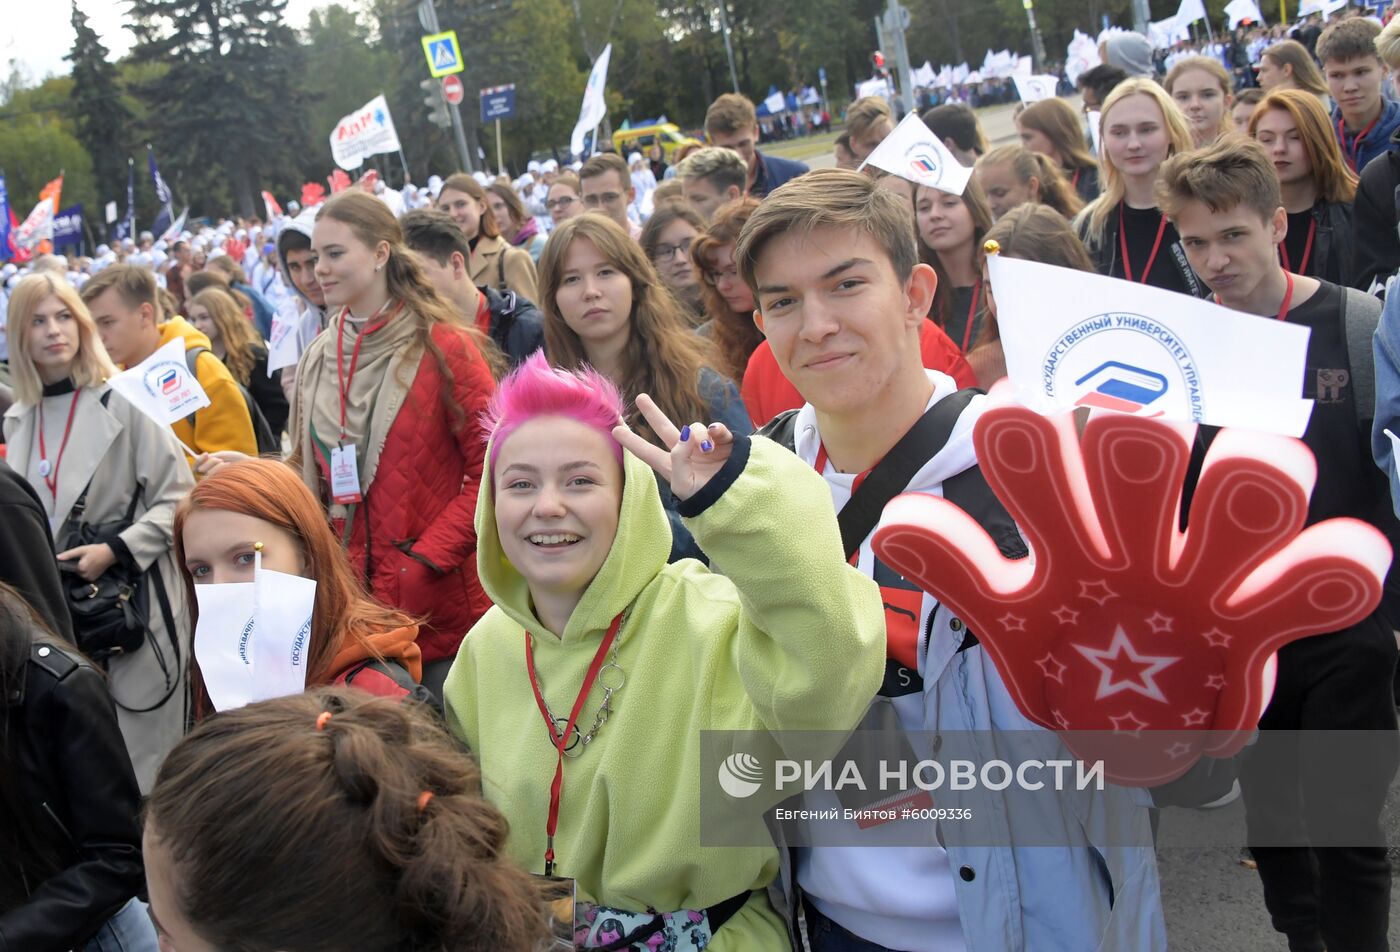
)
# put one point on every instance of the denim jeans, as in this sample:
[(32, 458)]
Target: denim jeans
[(130, 930)]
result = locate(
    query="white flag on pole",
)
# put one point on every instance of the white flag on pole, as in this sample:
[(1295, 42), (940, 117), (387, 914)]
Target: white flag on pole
[(37, 225), (1190, 11), (595, 106), (1035, 88), (284, 345), (914, 153), (253, 638), (776, 103), (367, 131), (1238, 10), (161, 386), (1074, 339)]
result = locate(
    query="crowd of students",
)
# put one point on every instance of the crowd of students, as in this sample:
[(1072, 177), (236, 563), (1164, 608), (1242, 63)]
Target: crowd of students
[(543, 462)]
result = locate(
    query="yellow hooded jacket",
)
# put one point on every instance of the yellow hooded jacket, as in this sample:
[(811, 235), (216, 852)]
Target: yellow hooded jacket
[(792, 639)]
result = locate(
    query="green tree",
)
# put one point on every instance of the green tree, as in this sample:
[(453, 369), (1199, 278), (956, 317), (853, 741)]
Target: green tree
[(33, 150), (548, 92), (227, 116), (344, 67), (103, 120)]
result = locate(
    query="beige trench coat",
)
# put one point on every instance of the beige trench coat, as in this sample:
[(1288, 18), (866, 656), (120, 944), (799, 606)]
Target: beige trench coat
[(116, 451)]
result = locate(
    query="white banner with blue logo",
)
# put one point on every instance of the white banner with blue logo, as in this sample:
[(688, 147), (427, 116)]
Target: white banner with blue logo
[(161, 386), (253, 638), (914, 153), (1076, 339)]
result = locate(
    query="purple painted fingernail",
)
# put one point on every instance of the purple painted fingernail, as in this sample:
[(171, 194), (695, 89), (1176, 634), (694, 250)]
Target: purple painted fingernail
[(685, 433), (706, 446)]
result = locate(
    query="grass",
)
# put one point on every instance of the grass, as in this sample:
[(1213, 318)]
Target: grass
[(802, 148)]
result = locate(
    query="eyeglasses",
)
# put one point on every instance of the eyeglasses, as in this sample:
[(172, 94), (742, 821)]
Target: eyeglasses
[(564, 201), (602, 198), (667, 252), (715, 277)]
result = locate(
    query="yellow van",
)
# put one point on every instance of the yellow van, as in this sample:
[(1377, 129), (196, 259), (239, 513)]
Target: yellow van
[(641, 138)]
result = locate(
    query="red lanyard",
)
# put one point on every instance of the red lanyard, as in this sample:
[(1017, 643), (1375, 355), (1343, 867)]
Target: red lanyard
[(51, 477), (1307, 249), (342, 380), (971, 314), (1287, 297), (1123, 245), (1074, 182), (561, 740), (1353, 154)]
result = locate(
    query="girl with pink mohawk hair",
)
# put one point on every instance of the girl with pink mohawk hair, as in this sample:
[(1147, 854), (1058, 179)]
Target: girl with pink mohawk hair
[(628, 659)]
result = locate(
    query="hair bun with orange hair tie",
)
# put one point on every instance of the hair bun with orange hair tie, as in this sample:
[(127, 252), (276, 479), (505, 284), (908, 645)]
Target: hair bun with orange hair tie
[(322, 720)]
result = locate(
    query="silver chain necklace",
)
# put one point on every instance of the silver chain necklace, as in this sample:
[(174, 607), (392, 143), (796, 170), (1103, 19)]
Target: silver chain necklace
[(611, 684)]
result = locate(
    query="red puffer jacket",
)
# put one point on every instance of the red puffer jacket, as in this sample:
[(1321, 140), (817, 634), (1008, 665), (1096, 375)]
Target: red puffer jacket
[(421, 507)]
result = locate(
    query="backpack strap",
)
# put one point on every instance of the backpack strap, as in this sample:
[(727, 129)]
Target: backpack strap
[(191, 362), (1359, 320), (891, 476), (501, 270)]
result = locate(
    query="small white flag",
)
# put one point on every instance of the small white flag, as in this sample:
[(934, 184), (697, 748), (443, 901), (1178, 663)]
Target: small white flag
[(1095, 131), (161, 386), (253, 638), (595, 105), (284, 346), (1035, 88), (1074, 339), (913, 152)]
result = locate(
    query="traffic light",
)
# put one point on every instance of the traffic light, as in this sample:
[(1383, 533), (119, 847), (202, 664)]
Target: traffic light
[(437, 106)]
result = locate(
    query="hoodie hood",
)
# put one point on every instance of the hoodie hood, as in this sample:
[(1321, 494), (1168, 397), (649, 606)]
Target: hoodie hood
[(302, 224), (1130, 52), (177, 326), (638, 553), (399, 645)]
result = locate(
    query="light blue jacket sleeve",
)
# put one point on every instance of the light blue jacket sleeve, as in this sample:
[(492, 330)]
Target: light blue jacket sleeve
[(1386, 346)]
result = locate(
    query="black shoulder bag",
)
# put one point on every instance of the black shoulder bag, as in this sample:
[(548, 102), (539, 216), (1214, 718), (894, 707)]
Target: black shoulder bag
[(107, 617)]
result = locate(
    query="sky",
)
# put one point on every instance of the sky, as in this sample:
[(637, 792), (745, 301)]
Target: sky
[(37, 33)]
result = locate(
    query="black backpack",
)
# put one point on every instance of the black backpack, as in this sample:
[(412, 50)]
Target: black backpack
[(262, 430), (517, 326)]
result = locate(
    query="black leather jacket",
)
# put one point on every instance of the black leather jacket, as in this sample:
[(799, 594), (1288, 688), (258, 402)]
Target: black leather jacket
[(77, 789)]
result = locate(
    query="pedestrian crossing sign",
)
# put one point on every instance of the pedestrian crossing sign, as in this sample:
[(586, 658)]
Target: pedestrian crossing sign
[(443, 53)]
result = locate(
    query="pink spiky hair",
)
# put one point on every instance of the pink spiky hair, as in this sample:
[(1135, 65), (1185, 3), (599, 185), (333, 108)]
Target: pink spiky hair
[(536, 389)]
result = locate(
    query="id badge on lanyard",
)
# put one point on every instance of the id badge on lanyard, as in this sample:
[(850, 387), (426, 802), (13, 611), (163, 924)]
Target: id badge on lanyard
[(345, 475)]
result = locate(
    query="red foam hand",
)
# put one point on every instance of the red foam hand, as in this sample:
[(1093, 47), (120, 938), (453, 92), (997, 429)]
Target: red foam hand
[(338, 181), (312, 194), (1160, 643)]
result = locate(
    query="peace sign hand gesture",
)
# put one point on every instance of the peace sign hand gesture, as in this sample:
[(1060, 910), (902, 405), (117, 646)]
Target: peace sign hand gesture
[(696, 452)]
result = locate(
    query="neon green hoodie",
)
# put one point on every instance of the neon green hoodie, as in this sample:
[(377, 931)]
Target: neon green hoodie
[(792, 639)]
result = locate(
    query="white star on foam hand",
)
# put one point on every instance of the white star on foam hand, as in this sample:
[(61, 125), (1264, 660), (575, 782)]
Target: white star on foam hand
[(1143, 683), (1215, 681), (1053, 668), (1195, 718), (1216, 638), (1128, 723), (1065, 615), (1012, 622), (1159, 623), (1178, 750), (1096, 591)]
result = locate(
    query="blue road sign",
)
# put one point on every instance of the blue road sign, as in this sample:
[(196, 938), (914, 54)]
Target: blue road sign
[(497, 102)]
